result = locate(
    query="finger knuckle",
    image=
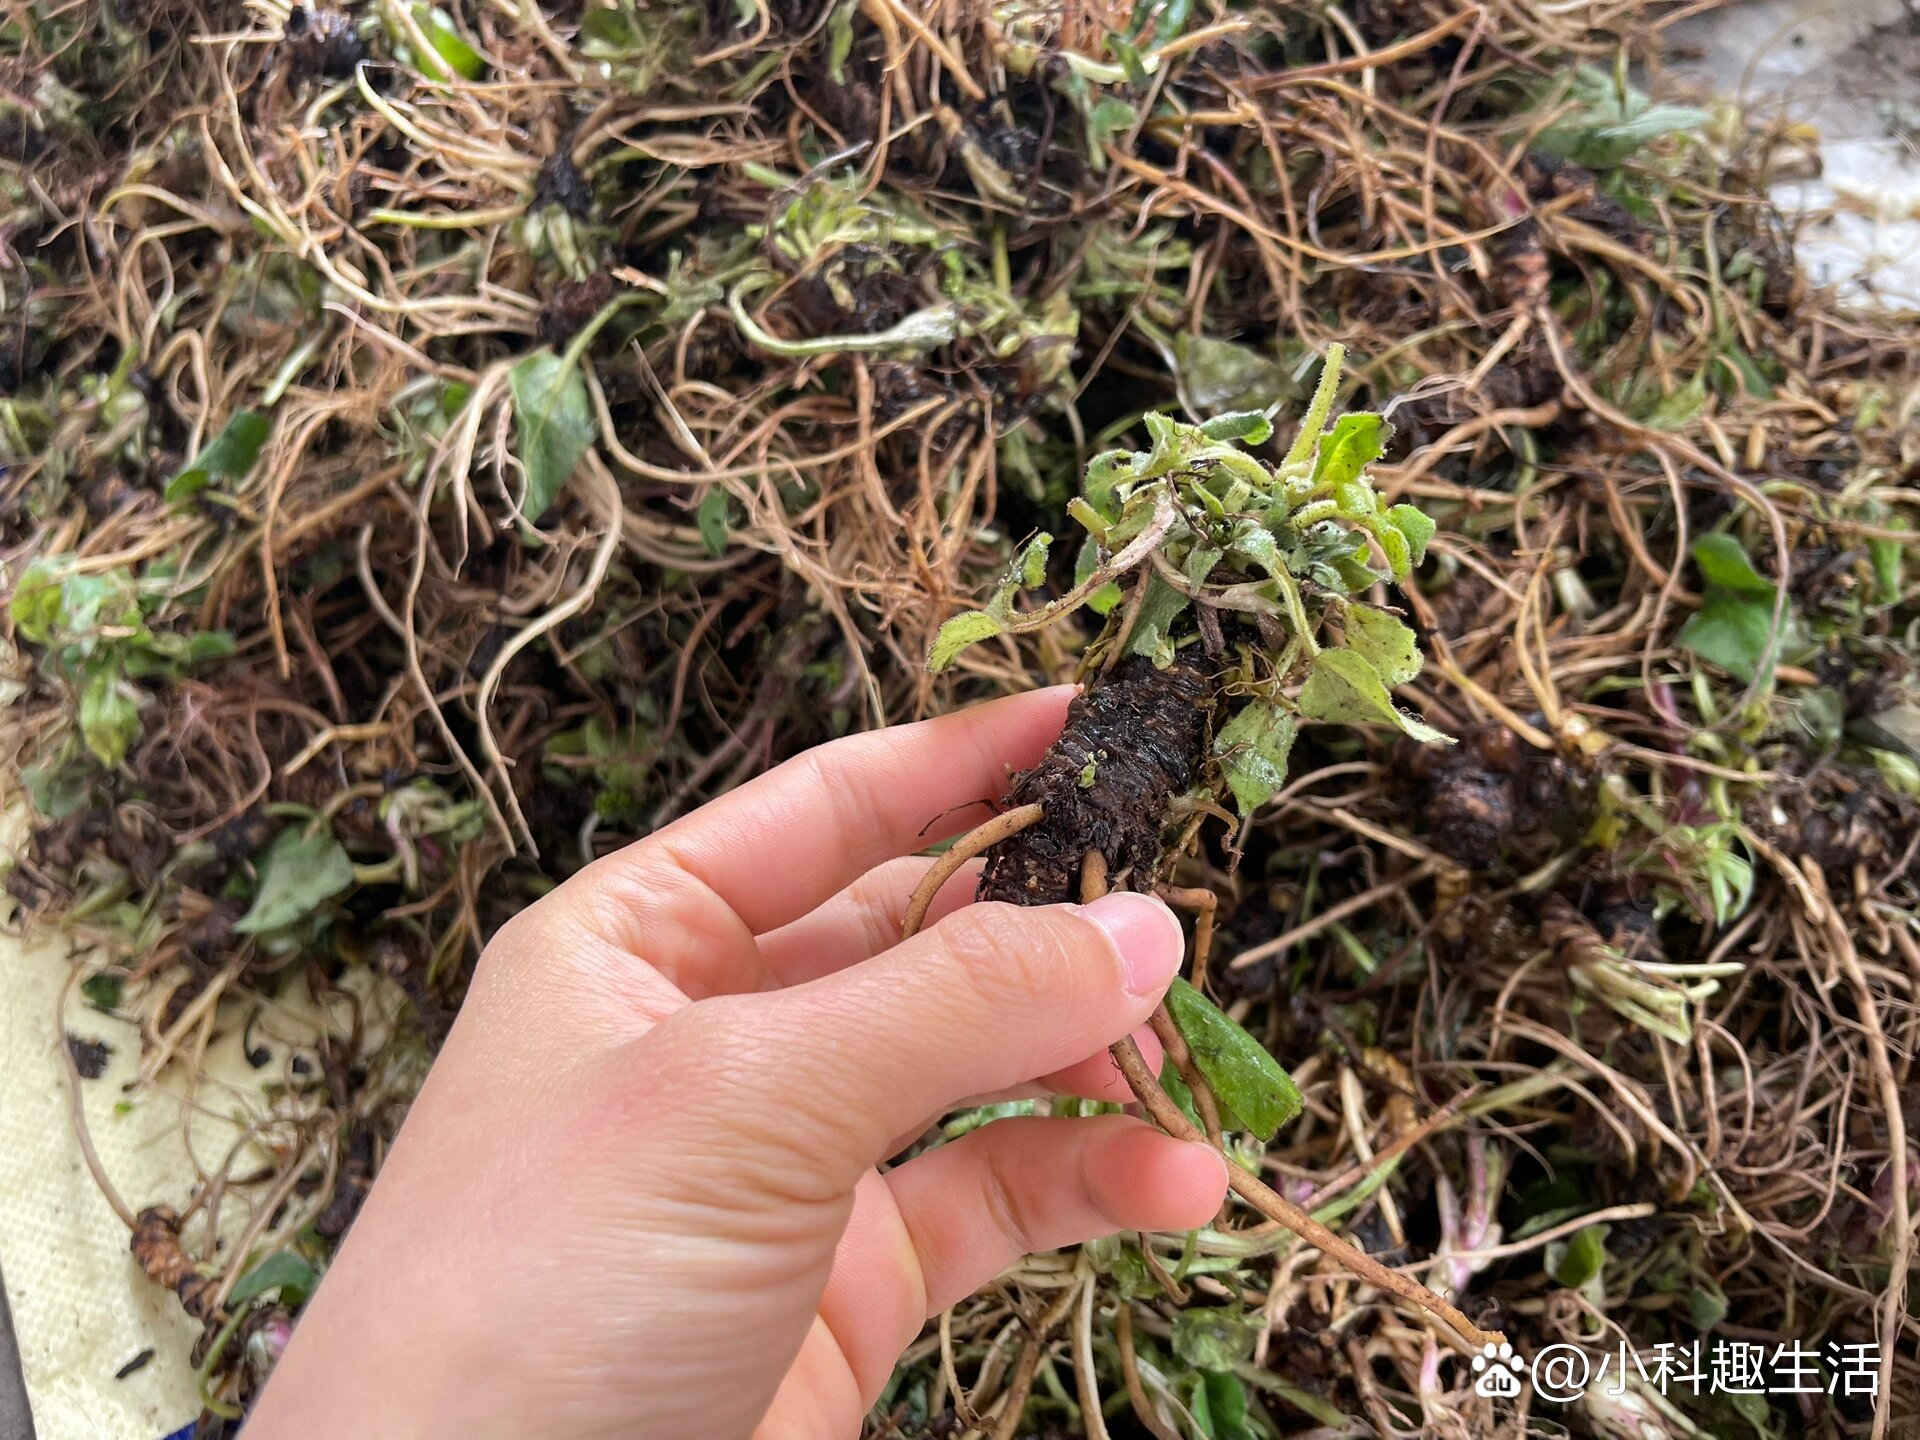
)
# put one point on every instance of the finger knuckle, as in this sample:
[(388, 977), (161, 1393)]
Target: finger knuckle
[(1014, 955)]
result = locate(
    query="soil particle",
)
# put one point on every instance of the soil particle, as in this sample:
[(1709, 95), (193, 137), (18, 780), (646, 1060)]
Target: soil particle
[(561, 183), (321, 44), (572, 304), (89, 1056), (1486, 793), (1131, 744)]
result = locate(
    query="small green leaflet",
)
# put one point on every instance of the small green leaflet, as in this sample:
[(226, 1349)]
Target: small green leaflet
[(957, 634), (229, 456), (109, 713), (553, 420), (1249, 427), (711, 517), (1245, 1078), (300, 872), (1387, 644), (447, 43), (1354, 443), (1218, 375), (1413, 523), (1582, 1259), (1344, 689), (1215, 1338), (1252, 749), (282, 1271), (1733, 628)]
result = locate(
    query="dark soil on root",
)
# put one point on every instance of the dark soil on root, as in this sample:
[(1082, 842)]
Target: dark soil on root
[(1131, 744)]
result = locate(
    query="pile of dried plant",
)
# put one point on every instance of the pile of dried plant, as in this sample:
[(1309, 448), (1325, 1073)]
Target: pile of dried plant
[(442, 441)]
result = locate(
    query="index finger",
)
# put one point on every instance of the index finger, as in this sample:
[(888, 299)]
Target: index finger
[(783, 844)]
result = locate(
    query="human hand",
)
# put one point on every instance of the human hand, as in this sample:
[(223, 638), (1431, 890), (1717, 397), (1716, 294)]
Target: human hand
[(637, 1193)]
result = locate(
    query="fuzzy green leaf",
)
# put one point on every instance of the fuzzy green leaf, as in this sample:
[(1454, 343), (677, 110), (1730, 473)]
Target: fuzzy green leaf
[(957, 634), (228, 456), (1252, 749), (1345, 689), (1416, 526), (553, 420), (1354, 443), (1386, 643), (1031, 566), (1247, 1080), (284, 1271), (1249, 427), (300, 872)]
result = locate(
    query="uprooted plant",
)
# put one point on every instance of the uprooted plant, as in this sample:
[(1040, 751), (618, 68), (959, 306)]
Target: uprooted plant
[(1220, 578)]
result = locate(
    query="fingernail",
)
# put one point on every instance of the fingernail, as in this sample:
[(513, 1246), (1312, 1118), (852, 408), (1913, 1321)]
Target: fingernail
[(1145, 933)]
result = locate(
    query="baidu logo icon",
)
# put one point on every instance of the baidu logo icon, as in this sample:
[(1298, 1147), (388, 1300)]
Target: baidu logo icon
[(1497, 1370)]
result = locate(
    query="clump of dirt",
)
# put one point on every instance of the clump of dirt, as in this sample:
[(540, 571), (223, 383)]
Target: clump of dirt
[(1133, 741)]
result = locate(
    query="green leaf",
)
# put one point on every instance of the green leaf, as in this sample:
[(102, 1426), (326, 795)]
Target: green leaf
[(1584, 1258), (711, 517), (1416, 526), (957, 634), (1220, 1405), (109, 714), (1221, 375), (1354, 443), (1249, 427), (840, 40), (1215, 1339), (1343, 688), (553, 420), (229, 456), (35, 606), (300, 872), (1889, 559), (447, 43), (1031, 566), (102, 991), (1732, 632), (1243, 1075), (284, 1271), (1385, 642), (1724, 565), (1107, 119), (1252, 750)]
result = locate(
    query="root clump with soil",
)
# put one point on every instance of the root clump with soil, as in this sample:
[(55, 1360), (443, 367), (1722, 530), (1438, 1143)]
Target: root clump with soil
[(440, 443)]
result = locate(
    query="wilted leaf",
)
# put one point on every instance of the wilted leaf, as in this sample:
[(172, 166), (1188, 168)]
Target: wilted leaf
[(1343, 688), (1209, 1338), (1354, 443), (1252, 749), (109, 714), (1245, 1078), (300, 872), (282, 1271), (553, 420), (1222, 375), (957, 634), (1385, 642), (229, 456)]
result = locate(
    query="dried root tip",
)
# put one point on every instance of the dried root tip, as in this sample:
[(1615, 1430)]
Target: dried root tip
[(156, 1249), (1132, 742)]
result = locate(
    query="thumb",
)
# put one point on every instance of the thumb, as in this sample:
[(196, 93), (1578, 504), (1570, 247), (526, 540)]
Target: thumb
[(993, 996)]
